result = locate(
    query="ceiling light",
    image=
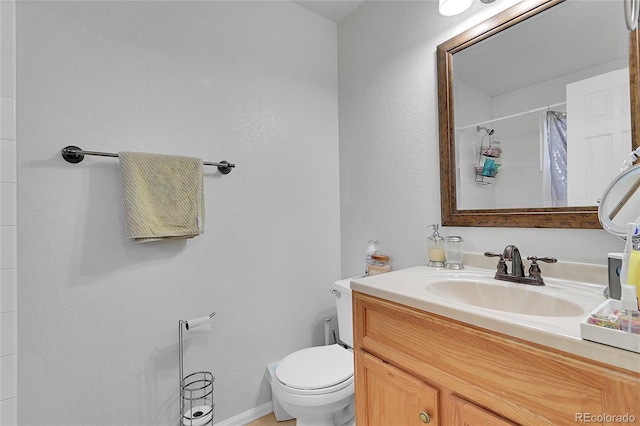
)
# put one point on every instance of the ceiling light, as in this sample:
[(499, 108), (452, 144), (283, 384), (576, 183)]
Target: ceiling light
[(453, 7)]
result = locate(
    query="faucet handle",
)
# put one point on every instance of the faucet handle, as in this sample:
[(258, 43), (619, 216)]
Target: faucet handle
[(502, 265), (489, 254), (534, 269), (535, 259)]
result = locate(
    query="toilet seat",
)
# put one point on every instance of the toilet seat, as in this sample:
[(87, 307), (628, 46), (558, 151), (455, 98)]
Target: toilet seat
[(319, 368)]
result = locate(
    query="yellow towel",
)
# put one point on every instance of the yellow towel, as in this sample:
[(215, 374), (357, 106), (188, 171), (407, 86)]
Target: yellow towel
[(163, 196)]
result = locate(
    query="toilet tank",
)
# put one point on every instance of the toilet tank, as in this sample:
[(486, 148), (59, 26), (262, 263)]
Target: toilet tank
[(342, 292)]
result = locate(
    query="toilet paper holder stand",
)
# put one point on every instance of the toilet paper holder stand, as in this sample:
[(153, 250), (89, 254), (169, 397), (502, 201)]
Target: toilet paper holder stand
[(196, 389)]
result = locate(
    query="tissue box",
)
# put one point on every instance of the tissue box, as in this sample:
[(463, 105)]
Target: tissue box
[(609, 336)]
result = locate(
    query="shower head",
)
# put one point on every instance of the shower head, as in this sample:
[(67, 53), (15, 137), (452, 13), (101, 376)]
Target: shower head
[(489, 131)]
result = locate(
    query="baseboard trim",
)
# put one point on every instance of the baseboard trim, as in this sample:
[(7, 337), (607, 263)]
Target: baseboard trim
[(248, 416)]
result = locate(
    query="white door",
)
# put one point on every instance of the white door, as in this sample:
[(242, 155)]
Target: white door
[(598, 134)]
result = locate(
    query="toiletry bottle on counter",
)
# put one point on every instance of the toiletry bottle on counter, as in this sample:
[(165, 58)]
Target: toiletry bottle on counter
[(633, 271), (435, 248), (372, 248), (633, 230), (379, 265)]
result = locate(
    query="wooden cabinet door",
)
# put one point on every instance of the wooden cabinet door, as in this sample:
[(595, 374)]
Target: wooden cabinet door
[(388, 396), (465, 413)]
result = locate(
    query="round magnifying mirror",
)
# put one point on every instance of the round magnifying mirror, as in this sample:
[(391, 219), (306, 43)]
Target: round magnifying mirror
[(620, 204)]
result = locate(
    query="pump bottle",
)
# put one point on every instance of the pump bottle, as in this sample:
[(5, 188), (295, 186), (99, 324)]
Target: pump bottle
[(435, 247)]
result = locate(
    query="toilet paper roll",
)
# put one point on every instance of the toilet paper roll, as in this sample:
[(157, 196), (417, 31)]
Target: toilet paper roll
[(198, 416), (199, 325)]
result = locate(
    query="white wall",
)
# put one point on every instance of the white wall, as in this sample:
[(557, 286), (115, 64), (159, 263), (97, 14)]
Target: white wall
[(254, 83), (474, 192), (8, 228), (389, 161)]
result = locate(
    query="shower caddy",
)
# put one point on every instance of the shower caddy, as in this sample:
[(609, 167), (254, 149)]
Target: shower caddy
[(196, 390), (486, 166)]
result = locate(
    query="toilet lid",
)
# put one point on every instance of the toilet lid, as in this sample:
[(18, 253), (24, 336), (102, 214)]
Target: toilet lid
[(316, 367)]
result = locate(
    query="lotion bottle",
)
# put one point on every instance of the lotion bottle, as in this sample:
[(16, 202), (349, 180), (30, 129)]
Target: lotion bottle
[(633, 230), (633, 269), (435, 247), (372, 248)]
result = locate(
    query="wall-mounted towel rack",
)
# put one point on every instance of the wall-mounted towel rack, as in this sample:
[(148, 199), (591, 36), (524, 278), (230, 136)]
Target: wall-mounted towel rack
[(73, 154)]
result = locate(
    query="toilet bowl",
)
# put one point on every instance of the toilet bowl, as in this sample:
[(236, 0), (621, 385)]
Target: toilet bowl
[(315, 385)]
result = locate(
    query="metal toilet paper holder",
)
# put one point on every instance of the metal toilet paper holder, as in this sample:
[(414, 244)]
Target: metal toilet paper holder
[(196, 390)]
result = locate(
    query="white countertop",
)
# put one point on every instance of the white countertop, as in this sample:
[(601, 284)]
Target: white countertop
[(408, 287)]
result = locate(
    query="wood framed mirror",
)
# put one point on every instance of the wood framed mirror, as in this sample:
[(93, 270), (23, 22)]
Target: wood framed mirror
[(453, 171)]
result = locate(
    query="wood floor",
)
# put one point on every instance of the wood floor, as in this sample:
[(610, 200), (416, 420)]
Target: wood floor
[(270, 420)]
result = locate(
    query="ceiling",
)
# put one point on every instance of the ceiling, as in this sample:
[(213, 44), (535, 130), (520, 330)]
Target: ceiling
[(334, 10)]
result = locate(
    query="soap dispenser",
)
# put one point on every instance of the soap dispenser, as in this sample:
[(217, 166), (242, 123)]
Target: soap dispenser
[(435, 246)]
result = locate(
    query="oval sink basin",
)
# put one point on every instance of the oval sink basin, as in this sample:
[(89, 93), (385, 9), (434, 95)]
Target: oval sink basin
[(504, 296)]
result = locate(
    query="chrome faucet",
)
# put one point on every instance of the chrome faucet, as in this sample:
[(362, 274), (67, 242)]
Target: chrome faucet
[(512, 253)]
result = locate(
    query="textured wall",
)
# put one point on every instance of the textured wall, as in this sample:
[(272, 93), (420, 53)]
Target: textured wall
[(254, 83), (8, 265), (389, 160)]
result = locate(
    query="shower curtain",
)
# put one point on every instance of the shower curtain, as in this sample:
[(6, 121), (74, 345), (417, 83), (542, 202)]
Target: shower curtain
[(557, 142)]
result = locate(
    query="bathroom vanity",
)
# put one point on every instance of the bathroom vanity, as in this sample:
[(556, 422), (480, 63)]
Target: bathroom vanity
[(423, 359)]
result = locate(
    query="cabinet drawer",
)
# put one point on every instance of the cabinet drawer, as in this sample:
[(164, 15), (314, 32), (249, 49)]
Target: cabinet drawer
[(509, 377)]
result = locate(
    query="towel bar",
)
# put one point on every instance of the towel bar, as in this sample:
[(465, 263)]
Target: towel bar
[(73, 154)]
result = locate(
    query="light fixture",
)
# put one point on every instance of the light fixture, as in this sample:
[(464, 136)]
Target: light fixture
[(453, 7), (631, 13)]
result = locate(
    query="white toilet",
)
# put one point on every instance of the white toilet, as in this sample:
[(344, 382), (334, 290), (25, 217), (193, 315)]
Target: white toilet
[(315, 385)]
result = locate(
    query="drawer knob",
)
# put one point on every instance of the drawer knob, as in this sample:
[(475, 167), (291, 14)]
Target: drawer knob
[(424, 417)]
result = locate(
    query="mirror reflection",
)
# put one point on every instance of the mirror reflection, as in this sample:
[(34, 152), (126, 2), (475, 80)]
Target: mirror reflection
[(542, 110)]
